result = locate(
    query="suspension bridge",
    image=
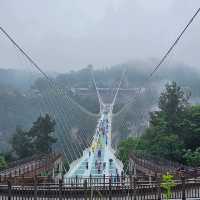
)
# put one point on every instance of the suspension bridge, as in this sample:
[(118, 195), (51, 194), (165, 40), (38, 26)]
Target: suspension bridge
[(85, 140), (99, 159)]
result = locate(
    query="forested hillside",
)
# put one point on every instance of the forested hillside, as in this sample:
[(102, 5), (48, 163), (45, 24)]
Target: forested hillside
[(21, 98), (174, 130)]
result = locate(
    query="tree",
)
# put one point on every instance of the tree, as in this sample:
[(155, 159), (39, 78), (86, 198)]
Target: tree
[(163, 137), (42, 134), (172, 103), (38, 140), (21, 143), (168, 146), (127, 146), (174, 131), (3, 163), (173, 100), (192, 157), (167, 184), (189, 127)]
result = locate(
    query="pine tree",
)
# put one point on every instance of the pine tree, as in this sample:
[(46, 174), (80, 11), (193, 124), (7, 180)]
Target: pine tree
[(172, 103), (21, 143), (42, 134), (38, 140)]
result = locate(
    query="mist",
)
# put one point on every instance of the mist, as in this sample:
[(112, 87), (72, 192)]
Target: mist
[(65, 35)]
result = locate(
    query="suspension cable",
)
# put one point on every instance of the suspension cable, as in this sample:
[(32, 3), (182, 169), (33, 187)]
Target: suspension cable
[(97, 90), (50, 81), (39, 69), (119, 85), (170, 49), (174, 44)]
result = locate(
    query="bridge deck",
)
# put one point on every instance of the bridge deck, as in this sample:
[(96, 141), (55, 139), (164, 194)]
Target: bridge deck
[(99, 158)]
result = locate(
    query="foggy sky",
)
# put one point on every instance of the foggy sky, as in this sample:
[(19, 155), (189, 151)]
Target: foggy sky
[(70, 34)]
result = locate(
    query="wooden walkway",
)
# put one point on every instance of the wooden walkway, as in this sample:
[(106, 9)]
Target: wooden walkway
[(149, 166), (29, 168)]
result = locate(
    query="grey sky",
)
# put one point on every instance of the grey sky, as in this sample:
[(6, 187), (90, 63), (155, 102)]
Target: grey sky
[(69, 34)]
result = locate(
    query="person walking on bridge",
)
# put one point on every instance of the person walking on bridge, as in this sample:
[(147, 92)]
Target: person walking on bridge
[(99, 153), (87, 165)]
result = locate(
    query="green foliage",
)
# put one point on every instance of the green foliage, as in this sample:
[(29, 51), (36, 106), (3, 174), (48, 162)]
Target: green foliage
[(21, 143), (21, 92), (193, 157), (174, 131), (173, 100), (189, 127), (37, 140), (167, 184), (3, 162), (127, 146), (8, 156), (44, 174), (162, 136), (172, 103), (168, 146), (41, 134)]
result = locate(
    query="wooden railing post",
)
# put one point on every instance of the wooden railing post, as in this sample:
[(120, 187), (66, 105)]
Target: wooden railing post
[(85, 188), (110, 188), (35, 188), (104, 181), (90, 180), (76, 182), (130, 185), (5, 178), (134, 187), (9, 189), (158, 186), (183, 187), (131, 181), (60, 189)]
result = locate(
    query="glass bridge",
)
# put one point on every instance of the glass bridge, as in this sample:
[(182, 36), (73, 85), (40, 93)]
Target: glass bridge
[(99, 159)]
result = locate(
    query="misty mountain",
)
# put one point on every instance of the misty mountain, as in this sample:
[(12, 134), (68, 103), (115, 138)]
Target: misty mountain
[(20, 94), (18, 79)]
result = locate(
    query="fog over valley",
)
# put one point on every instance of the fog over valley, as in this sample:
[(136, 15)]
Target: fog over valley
[(65, 35)]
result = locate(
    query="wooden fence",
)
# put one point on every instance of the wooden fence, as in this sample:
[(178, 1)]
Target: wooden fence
[(30, 168), (100, 188), (151, 166)]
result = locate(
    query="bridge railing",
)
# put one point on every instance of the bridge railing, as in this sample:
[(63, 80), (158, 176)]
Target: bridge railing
[(29, 168), (156, 165), (25, 160), (129, 188)]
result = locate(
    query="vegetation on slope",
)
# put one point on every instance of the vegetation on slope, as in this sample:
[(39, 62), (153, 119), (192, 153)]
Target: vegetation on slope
[(37, 140), (3, 162), (174, 131), (22, 99)]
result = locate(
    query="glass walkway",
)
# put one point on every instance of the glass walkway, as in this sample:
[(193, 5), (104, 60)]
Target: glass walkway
[(99, 159)]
